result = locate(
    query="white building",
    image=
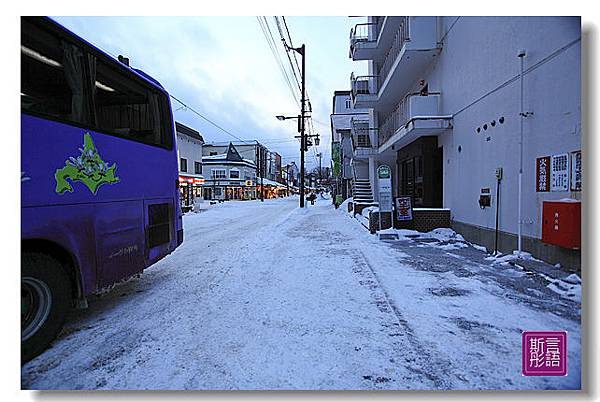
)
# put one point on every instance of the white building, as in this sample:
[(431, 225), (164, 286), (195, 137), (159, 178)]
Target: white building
[(189, 150), (351, 147), (251, 150), (445, 98), (229, 176)]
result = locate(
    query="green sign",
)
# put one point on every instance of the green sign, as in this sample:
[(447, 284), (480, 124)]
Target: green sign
[(336, 155), (383, 172), (88, 168)]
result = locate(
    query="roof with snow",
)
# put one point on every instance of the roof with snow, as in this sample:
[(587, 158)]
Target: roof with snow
[(188, 131), (231, 156)]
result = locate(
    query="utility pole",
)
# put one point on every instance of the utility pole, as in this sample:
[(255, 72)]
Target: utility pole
[(301, 118), (302, 51), (260, 172), (320, 168), (287, 180), (521, 56)]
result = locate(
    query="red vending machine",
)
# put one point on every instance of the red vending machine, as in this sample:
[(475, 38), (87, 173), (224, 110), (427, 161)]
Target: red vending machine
[(561, 223)]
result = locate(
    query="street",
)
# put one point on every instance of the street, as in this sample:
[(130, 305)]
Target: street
[(269, 296)]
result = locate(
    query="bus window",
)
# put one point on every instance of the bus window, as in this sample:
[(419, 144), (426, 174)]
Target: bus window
[(127, 108), (52, 77)]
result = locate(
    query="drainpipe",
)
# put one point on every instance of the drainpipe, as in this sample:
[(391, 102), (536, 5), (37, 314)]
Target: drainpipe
[(521, 56)]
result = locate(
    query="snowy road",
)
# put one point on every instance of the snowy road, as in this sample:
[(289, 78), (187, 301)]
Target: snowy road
[(268, 296)]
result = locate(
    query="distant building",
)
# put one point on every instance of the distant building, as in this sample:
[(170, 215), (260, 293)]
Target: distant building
[(251, 150), (229, 176), (189, 150)]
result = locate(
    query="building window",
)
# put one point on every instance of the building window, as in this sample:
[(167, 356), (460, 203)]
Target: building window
[(197, 167), (234, 174), (183, 164), (218, 191), (348, 104), (219, 174)]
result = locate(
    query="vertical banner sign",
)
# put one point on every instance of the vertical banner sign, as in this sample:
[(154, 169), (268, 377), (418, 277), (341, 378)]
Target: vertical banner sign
[(404, 208), (336, 156), (576, 171), (542, 167), (384, 183), (560, 173)]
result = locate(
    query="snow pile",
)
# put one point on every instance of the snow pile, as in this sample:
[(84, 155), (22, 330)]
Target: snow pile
[(478, 247), (568, 287), (451, 246), (505, 259), (363, 220), (573, 279), (407, 234), (443, 234), (367, 211), (344, 205)]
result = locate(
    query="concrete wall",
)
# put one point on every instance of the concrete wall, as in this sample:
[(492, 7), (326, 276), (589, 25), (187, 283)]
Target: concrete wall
[(474, 72)]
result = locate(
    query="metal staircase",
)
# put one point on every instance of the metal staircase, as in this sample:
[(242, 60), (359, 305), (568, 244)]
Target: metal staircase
[(362, 193)]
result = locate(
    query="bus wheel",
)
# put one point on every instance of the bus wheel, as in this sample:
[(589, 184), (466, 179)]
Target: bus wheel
[(45, 301)]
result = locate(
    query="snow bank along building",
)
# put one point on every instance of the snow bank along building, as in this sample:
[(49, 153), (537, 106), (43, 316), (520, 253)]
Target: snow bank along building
[(189, 149), (448, 99)]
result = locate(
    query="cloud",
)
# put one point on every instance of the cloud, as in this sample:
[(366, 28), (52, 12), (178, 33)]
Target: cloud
[(224, 68)]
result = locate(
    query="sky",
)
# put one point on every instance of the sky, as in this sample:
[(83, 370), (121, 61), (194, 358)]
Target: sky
[(223, 68)]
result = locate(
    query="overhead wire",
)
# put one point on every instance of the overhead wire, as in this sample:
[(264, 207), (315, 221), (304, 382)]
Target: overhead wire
[(264, 25)]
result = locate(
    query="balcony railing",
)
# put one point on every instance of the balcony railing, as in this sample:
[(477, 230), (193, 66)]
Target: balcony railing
[(361, 137), (361, 33), (401, 37), (363, 85), (412, 105)]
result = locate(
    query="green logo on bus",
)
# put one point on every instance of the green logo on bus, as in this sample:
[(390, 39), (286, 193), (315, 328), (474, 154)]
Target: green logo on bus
[(88, 168)]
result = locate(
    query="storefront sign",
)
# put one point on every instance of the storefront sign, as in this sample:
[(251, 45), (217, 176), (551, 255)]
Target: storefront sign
[(404, 208), (576, 171), (559, 173), (184, 180), (542, 167), (249, 183), (384, 183)]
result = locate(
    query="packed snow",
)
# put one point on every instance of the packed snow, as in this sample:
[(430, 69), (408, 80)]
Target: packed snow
[(265, 295)]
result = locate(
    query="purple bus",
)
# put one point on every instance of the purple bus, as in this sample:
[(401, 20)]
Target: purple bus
[(99, 182)]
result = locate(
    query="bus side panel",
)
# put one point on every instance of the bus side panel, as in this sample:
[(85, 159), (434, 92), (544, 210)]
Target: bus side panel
[(70, 227), (136, 171), (120, 240)]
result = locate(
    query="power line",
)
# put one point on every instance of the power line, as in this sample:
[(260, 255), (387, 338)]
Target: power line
[(285, 45), (287, 49), (275, 54), (264, 25), (207, 119)]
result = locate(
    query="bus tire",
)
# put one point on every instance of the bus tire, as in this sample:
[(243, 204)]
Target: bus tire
[(45, 302)]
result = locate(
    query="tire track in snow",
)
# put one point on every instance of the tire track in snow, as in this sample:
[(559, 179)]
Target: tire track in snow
[(416, 356)]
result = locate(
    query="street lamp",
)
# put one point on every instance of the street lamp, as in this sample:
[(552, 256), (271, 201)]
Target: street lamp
[(300, 118)]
